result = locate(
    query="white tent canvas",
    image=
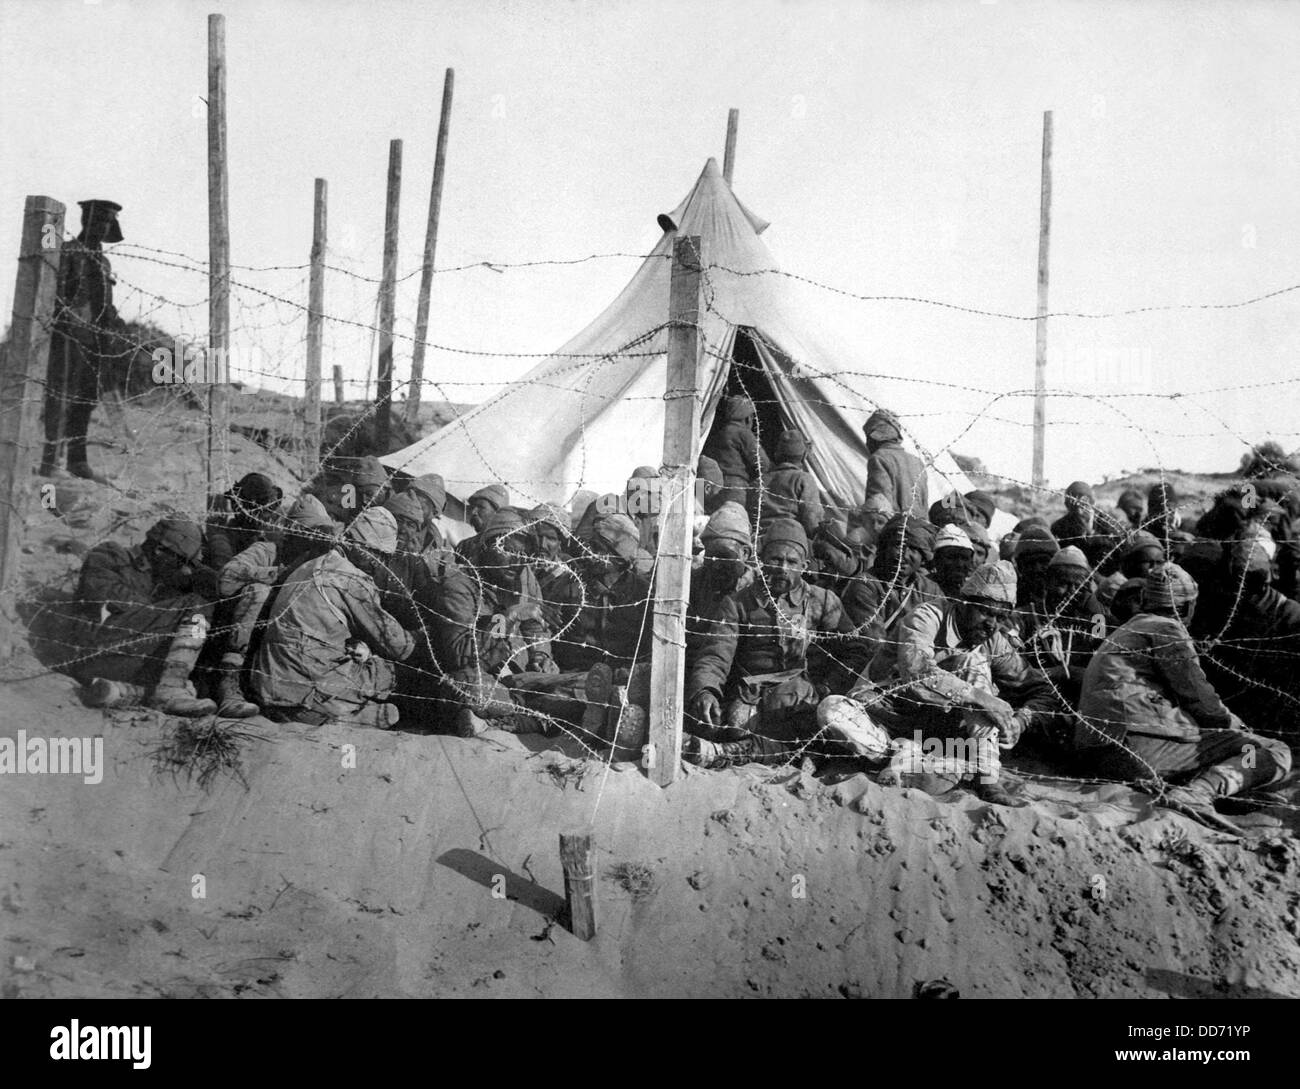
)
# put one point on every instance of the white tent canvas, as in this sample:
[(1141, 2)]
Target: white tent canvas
[(588, 414)]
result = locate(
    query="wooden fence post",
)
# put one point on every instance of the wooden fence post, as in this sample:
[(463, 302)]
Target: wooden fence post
[(338, 384), (23, 371), (388, 299), (1038, 473), (729, 151), (673, 574), (430, 249), (217, 369), (315, 321)]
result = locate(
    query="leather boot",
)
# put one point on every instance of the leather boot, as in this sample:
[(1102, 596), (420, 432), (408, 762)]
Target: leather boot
[(104, 693), (725, 754), (1195, 799), (468, 724), (996, 794), (85, 472), (174, 695), (599, 689), (230, 697)]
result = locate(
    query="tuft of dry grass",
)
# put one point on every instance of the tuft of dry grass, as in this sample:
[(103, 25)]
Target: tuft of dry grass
[(199, 750), (635, 878)]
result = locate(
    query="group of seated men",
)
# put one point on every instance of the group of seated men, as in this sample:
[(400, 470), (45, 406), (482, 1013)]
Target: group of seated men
[(808, 632)]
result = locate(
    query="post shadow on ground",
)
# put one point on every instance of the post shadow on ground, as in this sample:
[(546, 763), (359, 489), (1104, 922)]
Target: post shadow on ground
[(481, 870), (1181, 985)]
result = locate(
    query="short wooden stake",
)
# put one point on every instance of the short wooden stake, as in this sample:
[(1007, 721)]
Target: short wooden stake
[(578, 857)]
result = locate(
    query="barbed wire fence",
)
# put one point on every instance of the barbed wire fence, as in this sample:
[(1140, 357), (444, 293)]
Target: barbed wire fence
[(155, 426)]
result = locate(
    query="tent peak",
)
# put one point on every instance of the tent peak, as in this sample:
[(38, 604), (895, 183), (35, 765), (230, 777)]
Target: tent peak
[(712, 187)]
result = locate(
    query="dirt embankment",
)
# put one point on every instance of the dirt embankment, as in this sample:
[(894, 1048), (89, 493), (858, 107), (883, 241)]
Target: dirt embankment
[(431, 868)]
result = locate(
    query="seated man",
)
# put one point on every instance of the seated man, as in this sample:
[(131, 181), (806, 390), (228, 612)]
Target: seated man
[(954, 559), (877, 604), (1149, 713), (327, 651), (403, 577), (346, 486), (950, 673), (1066, 626), (491, 631), (1133, 505), (1096, 532), (1137, 555), (641, 499), (790, 491), (711, 485), (140, 620), (770, 656), (241, 516), (1253, 660), (551, 527), (1034, 550), (248, 581), (717, 576), (602, 614), (1165, 519), (479, 507), (438, 554)]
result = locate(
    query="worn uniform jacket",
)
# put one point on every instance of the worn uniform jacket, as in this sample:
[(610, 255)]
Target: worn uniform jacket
[(929, 659), (1061, 646), (790, 491), (876, 608), (114, 578), (483, 628), (736, 450), (607, 619), (900, 478), (754, 636), (1146, 679), (84, 304), (1254, 664), (321, 605), (705, 610), (466, 552), (226, 538), (439, 557)]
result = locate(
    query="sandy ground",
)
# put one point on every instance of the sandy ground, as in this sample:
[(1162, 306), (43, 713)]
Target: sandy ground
[(322, 879), (378, 879)]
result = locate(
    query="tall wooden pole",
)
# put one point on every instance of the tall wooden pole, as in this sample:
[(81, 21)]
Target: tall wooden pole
[(218, 253), (388, 298), (1040, 359), (430, 248), (24, 364), (673, 577), (729, 155), (315, 323)]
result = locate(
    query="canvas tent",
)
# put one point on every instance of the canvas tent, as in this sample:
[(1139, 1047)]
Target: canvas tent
[(587, 415)]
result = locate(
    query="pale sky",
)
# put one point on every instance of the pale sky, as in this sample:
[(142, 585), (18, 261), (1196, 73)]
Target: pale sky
[(894, 146)]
